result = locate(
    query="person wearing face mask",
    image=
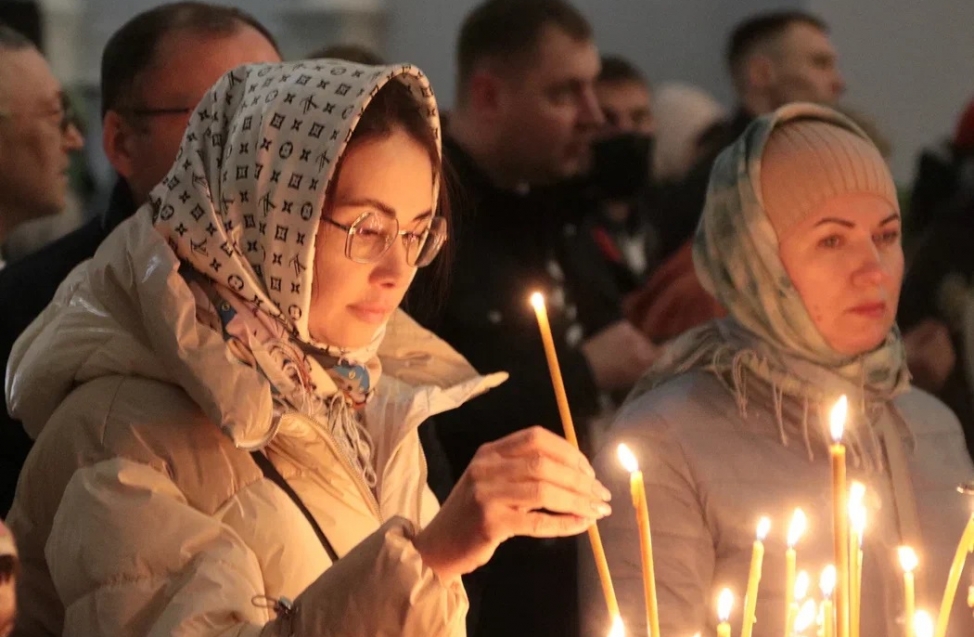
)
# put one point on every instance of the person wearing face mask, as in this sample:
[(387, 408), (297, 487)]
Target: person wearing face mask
[(800, 241), (225, 398), (620, 174)]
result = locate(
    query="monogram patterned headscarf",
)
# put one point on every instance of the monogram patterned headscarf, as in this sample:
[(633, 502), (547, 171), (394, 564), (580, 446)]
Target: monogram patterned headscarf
[(769, 333), (241, 207)]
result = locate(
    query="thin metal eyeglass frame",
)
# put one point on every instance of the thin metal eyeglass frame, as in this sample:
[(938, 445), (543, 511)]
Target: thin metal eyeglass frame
[(349, 229)]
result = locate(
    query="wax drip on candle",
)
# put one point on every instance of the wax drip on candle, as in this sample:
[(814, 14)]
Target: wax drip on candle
[(827, 581)]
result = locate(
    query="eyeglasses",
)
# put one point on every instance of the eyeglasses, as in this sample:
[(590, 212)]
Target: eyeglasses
[(67, 116), (372, 234)]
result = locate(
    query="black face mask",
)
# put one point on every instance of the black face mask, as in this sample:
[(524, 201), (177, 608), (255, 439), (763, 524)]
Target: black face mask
[(621, 165)]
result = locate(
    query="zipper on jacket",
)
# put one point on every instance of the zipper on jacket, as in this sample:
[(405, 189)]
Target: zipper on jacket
[(359, 481)]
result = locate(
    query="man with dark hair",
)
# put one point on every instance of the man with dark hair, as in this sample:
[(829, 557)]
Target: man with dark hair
[(773, 58), (37, 136), (782, 57), (524, 121), (620, 173), (155, 69)]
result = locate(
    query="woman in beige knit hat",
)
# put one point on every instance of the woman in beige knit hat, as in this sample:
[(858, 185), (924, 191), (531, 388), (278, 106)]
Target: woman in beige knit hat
[(800, 241)]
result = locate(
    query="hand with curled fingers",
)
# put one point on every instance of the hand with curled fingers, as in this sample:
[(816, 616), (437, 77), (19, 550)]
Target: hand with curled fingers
[(532, 482)]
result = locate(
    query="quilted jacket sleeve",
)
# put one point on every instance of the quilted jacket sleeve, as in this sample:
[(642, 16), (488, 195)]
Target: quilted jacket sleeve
[(683, 548), (129, 556)]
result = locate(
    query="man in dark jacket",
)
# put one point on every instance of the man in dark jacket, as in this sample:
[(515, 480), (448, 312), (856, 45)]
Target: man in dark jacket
[(154, 71), (773, 59), (523, 123)]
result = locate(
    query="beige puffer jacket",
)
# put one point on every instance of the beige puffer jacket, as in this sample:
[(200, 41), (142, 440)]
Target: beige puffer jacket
[(137, 515), (711, 474)]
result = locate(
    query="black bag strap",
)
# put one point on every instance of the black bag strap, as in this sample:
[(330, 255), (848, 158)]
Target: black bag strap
[(271, 473)]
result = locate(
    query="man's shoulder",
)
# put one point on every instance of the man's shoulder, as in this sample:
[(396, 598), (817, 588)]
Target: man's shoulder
[(28, 284)]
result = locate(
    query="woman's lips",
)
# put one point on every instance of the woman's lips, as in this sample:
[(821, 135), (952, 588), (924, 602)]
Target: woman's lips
[(870, 310), (370, 313)]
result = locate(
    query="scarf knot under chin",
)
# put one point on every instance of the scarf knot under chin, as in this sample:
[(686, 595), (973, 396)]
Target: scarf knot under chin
[(329, 387)]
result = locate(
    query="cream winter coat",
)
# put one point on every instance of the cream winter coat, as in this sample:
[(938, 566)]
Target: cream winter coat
[(137, 515)]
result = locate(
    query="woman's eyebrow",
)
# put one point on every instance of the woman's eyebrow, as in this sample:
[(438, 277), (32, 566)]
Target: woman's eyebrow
[(893, 217), (842, 222), (368, 202)]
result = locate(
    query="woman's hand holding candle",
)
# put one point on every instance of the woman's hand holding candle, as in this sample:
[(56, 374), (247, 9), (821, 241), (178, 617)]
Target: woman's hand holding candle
[(531, 482)]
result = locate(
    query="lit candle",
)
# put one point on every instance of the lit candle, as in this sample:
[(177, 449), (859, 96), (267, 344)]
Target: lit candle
[(827, 584), (806, 617), (638, 491), (595, 539), (965, 546), (795, 531), (799, 594), (922, 624), (724, 605), (840, 517), (857, 518), (908, 560), (754, 578), (618, 629)]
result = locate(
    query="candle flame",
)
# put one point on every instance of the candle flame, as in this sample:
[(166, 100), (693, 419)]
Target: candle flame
[(827, 581), (725, 602), (764, 525), (802, 583), (627, 459), (922, 624), (797, 527), (537, 300), (857, 492), (857, 517), (837, 418), (908, 558), (618, 629), (806, 616)]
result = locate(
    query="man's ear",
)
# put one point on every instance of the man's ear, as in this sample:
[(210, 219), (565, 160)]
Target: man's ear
[(760, 71), (116, 140), (484, 92)]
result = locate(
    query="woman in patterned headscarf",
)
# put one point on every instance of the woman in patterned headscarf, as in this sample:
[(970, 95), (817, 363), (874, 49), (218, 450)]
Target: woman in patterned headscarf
[(213, 437), (800, 241)]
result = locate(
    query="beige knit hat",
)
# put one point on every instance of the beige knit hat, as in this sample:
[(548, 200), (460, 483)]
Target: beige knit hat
[(807, 162)]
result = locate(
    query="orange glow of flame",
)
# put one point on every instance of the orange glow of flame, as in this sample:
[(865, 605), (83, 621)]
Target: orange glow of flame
[(618, 629), (797, 527), (725, 602), (627, 459), (908, 558), (837, 418)]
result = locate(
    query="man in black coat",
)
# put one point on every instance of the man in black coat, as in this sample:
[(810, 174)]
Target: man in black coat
[(154, 71), (523, 123)]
